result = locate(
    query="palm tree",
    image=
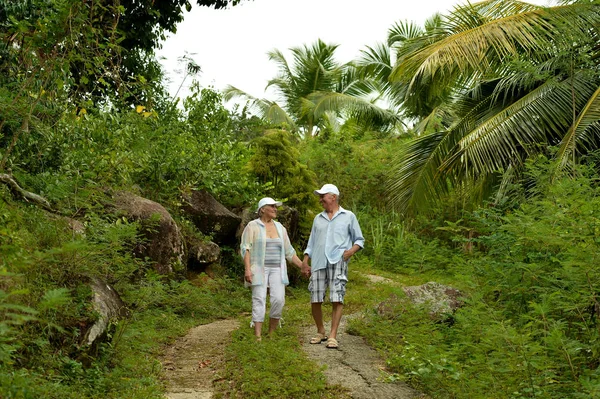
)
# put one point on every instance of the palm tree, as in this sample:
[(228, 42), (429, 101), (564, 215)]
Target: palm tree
[(510, 79), (317, 93), (314, 69)]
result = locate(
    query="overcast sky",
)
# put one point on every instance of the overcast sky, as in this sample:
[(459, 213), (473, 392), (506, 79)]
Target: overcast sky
[(231, 45)]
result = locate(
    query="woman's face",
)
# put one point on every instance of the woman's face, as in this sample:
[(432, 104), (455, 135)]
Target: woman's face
[(269, 211)]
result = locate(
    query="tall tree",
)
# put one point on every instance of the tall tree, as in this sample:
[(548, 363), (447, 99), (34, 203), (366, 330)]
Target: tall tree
[(514, 78), (315, 91), (74, 53)]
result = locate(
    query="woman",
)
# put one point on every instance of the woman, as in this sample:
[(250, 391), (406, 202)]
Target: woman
[(265, 247)]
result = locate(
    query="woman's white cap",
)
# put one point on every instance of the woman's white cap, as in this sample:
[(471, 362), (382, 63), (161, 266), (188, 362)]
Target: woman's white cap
[(328, 188), (267, 201)]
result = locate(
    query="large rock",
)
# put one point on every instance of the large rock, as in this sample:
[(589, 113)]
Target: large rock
[(440, 298), (210, 217), (202, 254), (108, 305), (246, 216), (162, 243)]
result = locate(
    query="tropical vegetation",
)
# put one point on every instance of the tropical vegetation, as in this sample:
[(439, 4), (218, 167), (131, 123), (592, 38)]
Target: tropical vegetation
[(467, 147)]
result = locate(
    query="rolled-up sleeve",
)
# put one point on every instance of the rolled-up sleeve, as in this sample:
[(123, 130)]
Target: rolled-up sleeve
[(287, 245), (247, 240), (356, 233), (309, 246)]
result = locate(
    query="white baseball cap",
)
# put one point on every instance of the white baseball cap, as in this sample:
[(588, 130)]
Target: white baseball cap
[(268, 201), (328, 188)]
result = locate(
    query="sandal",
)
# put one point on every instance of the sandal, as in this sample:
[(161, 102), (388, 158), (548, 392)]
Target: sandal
[(332, 343), (318, 338)]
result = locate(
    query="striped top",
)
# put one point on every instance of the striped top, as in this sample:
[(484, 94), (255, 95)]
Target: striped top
[(273, 252)]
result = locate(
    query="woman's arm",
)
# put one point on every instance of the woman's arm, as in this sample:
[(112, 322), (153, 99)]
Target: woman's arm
[(247, 267)]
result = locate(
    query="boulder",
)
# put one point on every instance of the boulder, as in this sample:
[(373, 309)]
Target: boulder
[(246, 216), (108, 305), (162, 243), (201, 254), (440, 298), (211, 217)]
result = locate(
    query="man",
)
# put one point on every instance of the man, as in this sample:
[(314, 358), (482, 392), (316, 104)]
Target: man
[(335, 237)]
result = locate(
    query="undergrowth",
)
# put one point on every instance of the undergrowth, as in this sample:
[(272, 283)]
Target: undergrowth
[(528, 327)]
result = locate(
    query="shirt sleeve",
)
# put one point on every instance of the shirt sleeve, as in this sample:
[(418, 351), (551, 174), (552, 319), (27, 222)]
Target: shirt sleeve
[(287, 246), (311, 239), (356, 233), (247, 240)]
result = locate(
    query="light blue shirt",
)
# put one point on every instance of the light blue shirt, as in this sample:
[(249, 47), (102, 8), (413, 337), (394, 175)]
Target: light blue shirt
[(330, 238)]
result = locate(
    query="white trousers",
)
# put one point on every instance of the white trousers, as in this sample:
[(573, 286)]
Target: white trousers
[(277, 296)]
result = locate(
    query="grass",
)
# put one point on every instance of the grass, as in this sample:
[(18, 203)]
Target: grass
[(277, 367)]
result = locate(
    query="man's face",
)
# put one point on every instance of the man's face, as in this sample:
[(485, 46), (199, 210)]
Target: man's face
[(327, 201)]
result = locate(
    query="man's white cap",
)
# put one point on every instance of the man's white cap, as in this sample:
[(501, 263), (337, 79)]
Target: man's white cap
[(267, 201), (328, 188)]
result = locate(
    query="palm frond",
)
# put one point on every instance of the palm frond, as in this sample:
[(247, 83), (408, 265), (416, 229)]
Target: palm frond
[(324, 102), (582, 132), (469, 50), (266, 109), (413, 180), (505, 136)]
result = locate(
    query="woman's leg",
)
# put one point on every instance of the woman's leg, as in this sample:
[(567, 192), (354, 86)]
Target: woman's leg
[(259, 304), (277, 297)]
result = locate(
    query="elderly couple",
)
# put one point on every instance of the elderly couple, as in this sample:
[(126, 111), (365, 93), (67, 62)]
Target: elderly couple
[(265, 247)]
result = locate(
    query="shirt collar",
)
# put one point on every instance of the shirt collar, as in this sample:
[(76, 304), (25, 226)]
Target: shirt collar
[(340, 210)]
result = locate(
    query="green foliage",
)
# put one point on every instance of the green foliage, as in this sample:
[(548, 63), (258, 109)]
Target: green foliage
[(394, 247), (529, 324), (275, 162), (163, 154), (357, 167), (45, 308), (523, 68)]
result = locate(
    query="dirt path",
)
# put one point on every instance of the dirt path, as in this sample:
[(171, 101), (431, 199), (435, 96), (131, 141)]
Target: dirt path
[(355, 366), (195, 361)]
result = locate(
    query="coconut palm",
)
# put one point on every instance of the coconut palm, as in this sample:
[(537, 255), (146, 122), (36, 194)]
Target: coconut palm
[(314, 68), (317, 93), (514, 78)]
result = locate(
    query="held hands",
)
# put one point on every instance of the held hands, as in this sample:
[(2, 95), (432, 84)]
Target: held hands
[(305, 268)]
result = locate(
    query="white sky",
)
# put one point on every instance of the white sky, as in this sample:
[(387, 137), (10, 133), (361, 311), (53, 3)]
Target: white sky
[(231, 45)]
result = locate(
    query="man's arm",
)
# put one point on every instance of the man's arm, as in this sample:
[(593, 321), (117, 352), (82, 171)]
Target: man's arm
[(305, 267), (350, 252), (357, 239)]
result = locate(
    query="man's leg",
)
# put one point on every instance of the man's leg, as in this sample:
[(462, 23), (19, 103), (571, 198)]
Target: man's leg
[(317, 313), (337, 290), (317, 287), (336, 317)]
